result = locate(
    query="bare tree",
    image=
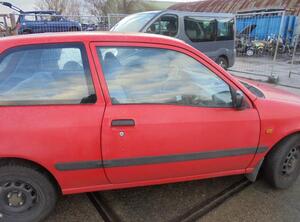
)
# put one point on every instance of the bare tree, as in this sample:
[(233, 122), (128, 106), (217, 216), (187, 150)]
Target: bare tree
[(100, 7), (130, 6), (56, 5), (104, 7), (67, 7), (74, 8)]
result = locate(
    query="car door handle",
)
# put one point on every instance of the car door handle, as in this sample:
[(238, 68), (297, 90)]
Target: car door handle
[(123, 122)]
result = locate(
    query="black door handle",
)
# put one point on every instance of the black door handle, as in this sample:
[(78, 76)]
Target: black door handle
[(123, 122)]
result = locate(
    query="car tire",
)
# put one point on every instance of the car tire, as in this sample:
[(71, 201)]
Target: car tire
[(282, 165), (26, 194), (222, 61)]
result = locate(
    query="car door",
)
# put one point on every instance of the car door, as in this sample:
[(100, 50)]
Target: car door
[(41, 24), (169, 115), (31, 22), (58, 24)]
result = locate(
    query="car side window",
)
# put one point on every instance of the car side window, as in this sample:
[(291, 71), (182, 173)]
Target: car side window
[(137, 75), (43, 18), (165, 25), (30, 18), (200, 29), (45, 74), (225, 29)]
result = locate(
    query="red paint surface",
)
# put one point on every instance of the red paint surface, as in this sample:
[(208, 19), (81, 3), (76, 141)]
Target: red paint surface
[(72, 133)]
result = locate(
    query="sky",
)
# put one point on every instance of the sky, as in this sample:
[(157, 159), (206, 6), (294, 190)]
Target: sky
[(27, 5)]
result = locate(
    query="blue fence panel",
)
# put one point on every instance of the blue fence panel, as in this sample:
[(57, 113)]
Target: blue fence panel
[(267, 25)]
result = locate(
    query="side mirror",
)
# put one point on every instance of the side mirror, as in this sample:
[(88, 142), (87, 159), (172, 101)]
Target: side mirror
[(238, 100)]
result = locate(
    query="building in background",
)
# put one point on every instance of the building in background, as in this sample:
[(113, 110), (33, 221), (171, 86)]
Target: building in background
[(233, 6)]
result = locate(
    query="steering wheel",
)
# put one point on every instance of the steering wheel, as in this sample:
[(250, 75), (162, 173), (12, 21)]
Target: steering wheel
[(216, 99)]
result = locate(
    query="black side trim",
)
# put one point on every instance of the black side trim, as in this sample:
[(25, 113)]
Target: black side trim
[(262, 149), (179, 157), (158, 159), (78, 165)]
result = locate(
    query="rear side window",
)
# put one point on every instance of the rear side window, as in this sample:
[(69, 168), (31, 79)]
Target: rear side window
[(200, 29), (45, 74), (225, 29), (44, 17), (30, 17), (165, 25)]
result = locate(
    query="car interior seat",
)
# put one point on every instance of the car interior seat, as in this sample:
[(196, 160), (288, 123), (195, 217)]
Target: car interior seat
[(110, 65)]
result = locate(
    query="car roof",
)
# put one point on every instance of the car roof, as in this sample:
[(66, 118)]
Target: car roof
[(40, 12), (148, 12), (208, 14), (188, 13), (62, 37)]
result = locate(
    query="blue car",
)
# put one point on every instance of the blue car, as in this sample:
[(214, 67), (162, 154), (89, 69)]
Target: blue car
[(45, 21)]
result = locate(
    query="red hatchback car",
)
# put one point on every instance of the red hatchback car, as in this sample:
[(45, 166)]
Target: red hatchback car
[(85, 112)]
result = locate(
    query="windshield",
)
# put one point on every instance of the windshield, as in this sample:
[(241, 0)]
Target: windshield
[(133, 23)]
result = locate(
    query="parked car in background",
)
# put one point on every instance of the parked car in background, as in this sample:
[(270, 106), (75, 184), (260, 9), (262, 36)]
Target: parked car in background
[(45, 21), (99, 26), (84, 112), (42, 21), (88, 27), (210, 33)]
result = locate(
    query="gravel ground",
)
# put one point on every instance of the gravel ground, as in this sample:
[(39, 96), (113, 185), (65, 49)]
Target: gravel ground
[(259, 202), (74, 208), (165, 202)]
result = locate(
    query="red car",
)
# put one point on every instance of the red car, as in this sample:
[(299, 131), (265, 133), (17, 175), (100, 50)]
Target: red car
[(87, 112)]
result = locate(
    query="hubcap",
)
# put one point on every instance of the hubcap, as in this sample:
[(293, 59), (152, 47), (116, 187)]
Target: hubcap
[(250, 53), (17, 197), (291, 161)]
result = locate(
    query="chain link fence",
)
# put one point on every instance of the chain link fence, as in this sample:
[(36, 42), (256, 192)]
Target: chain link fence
[(295, 61), (30, 23), (267, 46)]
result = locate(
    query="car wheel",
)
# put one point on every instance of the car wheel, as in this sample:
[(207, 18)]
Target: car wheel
[(221, 61), (25, 194), (282, 166), (250, 52)]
